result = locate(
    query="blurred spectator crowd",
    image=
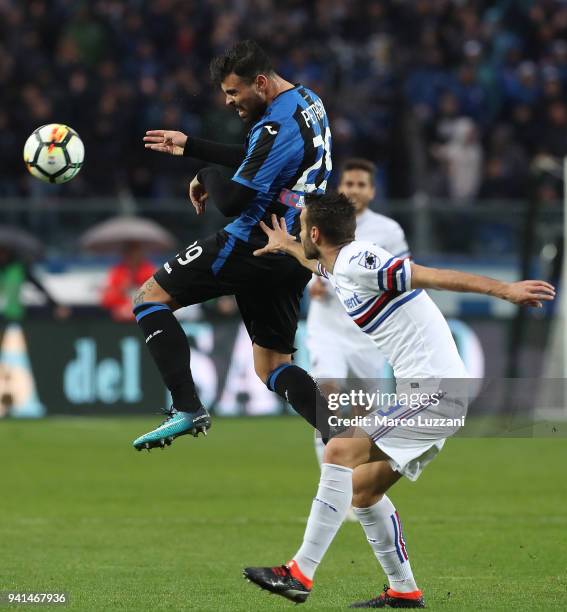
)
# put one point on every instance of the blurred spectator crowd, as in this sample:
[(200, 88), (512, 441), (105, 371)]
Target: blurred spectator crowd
[(452, 98)]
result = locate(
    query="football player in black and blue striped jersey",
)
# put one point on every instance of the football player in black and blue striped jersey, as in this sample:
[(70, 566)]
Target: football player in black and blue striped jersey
[(287, 154)]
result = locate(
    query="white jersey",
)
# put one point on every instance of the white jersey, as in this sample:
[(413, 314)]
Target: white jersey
[(374, 288), (334, 341)]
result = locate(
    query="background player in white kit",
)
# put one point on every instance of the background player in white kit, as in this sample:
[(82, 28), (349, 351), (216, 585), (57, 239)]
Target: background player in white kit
[(384, 296), (337, 347)]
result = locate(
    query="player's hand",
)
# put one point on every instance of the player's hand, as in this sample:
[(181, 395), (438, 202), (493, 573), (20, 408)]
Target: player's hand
[(198, 196), (278, 237), (165, 141), (318, 289), (529, 293)]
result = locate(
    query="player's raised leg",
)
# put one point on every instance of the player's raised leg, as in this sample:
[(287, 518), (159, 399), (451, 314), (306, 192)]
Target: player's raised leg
[(383, 528), (270, 311), (167, 343), (293, 384)]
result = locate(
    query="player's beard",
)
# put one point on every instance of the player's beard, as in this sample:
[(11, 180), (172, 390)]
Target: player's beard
[(254, 110), (310, 249)]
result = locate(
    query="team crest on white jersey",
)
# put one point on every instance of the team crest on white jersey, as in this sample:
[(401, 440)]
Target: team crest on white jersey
[(369, 260)]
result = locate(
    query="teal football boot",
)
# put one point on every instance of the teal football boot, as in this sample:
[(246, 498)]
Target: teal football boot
[(176, 424)]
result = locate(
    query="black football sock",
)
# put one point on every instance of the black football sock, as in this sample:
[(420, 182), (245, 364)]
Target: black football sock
[(168, 346), (295, 386)]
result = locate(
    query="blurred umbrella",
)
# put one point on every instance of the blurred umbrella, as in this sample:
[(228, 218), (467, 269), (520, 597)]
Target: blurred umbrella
[(116, 233), (20, 242)]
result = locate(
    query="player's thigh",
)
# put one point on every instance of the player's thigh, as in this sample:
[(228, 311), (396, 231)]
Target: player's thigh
[(191, 277), (270, 310), (352, 449), (370, 481)]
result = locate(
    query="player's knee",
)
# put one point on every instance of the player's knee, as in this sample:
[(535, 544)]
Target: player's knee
[(262, 371), (365, 497), (338, 451), (150, 291), (265, 368)]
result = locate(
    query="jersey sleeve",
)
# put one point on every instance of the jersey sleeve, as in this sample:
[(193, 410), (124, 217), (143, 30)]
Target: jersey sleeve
[(395, 275), (267, 153), (379, 270)]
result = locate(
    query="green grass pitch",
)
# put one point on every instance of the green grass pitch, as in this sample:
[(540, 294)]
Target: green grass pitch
[(82, 512)]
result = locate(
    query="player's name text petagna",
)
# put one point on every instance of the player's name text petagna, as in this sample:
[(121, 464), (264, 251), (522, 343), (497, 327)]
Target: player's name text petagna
[(379, 420)]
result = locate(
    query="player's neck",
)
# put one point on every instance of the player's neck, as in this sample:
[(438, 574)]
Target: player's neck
[(328, 256), (277, 86)]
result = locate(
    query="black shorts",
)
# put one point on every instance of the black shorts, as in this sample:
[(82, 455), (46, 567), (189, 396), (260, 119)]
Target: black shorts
[(268, 289)]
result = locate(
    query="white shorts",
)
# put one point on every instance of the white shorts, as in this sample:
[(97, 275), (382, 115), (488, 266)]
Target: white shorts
[(419, 439), (409, 457)]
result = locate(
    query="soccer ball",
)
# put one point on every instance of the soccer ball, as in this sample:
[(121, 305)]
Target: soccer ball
[(54, 153)]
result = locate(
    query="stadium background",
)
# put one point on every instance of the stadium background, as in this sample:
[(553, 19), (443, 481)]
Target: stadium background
[(461, 105)]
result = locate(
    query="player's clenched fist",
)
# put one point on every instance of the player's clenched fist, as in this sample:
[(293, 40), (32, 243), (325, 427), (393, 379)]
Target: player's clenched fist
[(165, 141)]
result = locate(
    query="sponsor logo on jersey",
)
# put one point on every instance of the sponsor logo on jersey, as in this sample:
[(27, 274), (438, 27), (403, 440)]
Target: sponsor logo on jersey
[(167, 267), (352, 302), (369, 260)]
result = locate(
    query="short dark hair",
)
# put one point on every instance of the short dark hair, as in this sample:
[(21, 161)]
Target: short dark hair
[(358, 163), (334, 214), (246, 59)]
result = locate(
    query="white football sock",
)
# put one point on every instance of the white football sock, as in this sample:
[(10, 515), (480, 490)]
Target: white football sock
[(319, 452), (383, 530), (328, 511), (319, 449)]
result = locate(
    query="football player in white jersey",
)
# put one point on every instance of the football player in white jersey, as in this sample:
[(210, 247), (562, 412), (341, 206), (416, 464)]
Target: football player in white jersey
[(385, 297), (337, 348)]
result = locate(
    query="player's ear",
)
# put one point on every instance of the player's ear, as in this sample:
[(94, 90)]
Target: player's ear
[(261, 83), (315, 234)]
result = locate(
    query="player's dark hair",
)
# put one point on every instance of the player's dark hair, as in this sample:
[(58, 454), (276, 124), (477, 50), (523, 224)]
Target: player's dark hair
[(358, 163), (246, 59), (335, 216)]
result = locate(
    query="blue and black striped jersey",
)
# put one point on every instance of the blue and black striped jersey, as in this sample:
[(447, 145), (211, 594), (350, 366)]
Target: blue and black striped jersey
[(288, 154)]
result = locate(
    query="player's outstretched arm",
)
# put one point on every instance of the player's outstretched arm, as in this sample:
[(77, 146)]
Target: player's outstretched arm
[(526, 293), (280, 241), (178, 143)]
